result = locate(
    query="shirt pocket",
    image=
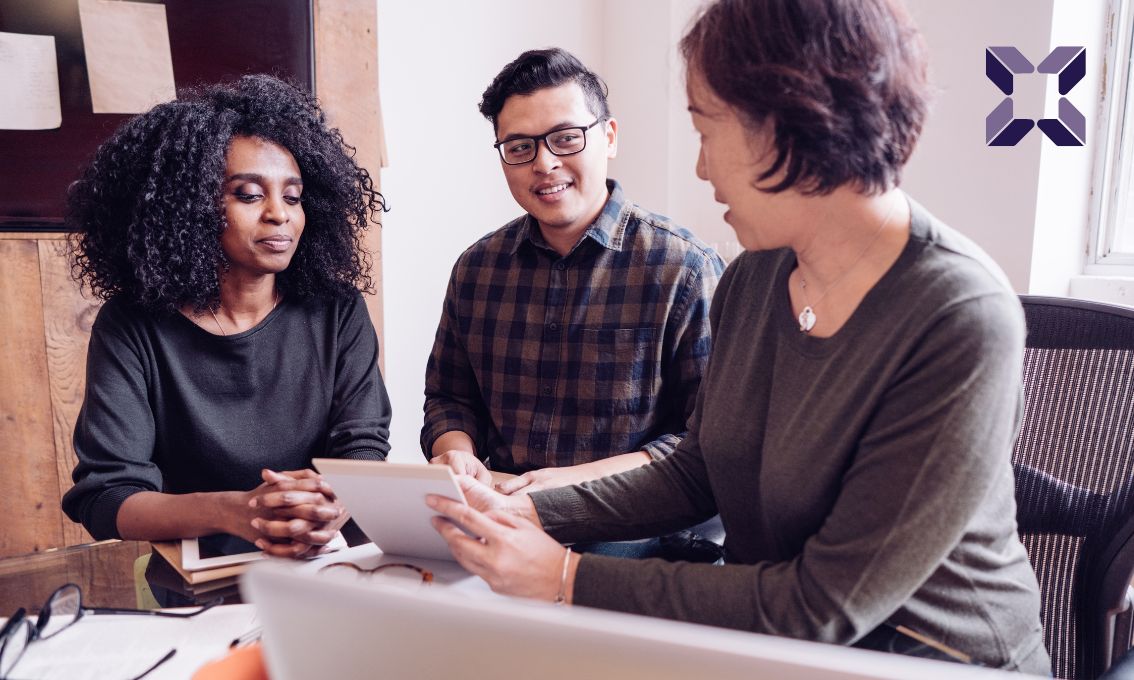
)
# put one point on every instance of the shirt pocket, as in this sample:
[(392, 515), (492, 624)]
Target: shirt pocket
[(619, 369)]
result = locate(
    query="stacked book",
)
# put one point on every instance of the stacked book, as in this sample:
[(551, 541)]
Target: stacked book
[(195, 582)]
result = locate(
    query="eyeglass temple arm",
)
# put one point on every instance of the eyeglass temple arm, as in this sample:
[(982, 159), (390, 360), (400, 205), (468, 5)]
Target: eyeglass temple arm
[(153, 612)]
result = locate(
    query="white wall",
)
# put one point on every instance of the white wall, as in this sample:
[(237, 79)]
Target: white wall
[(1027, 205), (446, 189), (988, 193), (444, 184)]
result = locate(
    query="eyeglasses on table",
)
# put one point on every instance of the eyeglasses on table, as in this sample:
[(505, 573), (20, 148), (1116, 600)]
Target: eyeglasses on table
[(394, 572), (63, 609)]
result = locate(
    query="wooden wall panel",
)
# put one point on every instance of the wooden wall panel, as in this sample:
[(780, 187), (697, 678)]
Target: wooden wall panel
[(29, 506), (346, 82), (68, 317)]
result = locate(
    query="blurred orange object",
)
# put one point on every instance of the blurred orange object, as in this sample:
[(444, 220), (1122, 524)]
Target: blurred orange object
[(242, 663)]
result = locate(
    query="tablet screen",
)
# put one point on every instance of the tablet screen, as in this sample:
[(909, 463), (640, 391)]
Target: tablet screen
[(223, 545)]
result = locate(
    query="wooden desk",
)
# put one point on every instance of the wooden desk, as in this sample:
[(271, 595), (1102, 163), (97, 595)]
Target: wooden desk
[(105, 572)]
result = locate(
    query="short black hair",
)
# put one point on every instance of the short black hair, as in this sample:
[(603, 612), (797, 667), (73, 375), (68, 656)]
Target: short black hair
[(842, 81), (148, 210), (538, 69)]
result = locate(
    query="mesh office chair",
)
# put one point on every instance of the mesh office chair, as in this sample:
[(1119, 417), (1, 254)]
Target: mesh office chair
[(1074, 464)]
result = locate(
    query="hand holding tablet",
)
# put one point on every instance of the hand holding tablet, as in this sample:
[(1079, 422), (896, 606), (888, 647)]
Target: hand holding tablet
[(387, 500)]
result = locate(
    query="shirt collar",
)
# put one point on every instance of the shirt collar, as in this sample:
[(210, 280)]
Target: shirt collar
[(607, 230)]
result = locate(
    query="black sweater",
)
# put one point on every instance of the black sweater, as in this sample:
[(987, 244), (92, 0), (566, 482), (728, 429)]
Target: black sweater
[(171, 407)]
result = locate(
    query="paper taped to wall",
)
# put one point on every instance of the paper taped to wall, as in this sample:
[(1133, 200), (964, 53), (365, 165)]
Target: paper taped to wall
[(29, 79), (128, 58)]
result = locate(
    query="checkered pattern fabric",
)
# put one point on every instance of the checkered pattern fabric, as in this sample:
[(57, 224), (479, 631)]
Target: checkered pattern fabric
[(551, 361)]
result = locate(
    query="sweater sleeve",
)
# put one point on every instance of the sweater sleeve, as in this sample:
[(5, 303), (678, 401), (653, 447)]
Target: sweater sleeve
[(933, 450), (114, 434), (359, 424), (665, 496)]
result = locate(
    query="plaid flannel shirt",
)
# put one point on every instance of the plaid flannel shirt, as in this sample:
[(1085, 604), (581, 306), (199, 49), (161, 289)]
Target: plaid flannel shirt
[(552, 361)]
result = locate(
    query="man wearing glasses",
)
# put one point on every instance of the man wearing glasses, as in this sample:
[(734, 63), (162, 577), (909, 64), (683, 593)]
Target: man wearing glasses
[(573, 339)]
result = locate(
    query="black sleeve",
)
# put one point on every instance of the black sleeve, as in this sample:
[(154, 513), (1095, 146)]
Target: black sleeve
[(114, 433), (359, 425)]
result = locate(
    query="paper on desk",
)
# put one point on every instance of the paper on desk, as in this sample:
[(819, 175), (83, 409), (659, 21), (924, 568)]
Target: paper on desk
[(127, 51), (123, 646), (29, 79)]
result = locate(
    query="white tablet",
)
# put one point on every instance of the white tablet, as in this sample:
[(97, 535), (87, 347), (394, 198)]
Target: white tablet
[(216, 550), (222, 550), (387, 500)]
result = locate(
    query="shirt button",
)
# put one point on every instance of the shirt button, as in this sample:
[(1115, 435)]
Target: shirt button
[(560, 266), (553, 326), (546, 389)]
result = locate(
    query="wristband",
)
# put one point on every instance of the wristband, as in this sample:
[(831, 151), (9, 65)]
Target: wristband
[(561, 598)]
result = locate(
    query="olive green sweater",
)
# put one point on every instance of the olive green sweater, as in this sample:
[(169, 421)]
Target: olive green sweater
[(861, 479)]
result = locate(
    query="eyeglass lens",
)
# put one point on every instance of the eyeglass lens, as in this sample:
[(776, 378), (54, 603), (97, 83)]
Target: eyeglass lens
[(61, 610), (17, 636), (561, 142)]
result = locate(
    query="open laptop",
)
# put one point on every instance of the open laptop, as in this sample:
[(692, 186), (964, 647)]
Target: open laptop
[(318, 627)]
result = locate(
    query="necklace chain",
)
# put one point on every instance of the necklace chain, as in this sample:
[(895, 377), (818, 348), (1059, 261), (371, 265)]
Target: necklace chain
[(807, 318), (275, 302), (219, 326)]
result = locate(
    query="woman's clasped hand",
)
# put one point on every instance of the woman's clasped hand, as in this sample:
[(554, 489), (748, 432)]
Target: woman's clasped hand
[(294, 513)]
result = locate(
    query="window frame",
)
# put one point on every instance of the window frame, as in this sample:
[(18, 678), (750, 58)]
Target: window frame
[(1114, 165)]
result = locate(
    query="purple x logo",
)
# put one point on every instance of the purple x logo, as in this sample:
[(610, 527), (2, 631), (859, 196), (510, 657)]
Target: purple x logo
[(1003, 64)]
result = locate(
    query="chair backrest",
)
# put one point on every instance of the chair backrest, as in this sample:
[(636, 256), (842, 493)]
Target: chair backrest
[(1074, 464)]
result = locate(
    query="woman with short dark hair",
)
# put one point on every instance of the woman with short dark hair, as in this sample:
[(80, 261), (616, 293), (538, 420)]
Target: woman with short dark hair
[(855, 425), (224, 231)]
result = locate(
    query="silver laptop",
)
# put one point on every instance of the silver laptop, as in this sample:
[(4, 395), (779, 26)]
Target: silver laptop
[(320, 627)]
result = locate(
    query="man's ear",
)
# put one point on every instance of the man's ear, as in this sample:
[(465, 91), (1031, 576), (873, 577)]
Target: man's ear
[(611, 127)]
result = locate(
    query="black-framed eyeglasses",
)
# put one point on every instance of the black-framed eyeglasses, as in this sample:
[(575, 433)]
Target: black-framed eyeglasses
[(562, 142), (398, 572), (63, 609)]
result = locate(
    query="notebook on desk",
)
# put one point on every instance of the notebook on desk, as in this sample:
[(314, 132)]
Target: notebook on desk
[(319, 627)]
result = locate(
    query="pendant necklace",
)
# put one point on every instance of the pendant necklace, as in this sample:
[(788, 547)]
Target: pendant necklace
[(807, 317)]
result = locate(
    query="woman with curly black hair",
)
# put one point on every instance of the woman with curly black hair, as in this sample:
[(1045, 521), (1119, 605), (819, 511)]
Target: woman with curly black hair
[(224, 231)]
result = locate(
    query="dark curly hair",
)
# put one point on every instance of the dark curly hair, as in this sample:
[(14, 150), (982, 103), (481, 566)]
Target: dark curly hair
[(148, 211), (842, 81), (538, 69)]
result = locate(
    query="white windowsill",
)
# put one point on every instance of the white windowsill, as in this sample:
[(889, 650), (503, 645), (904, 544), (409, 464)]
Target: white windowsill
[(1117, 290)]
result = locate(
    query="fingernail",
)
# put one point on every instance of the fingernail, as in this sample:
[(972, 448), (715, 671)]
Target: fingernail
[(256, 524), (261, 544), (254, 502), (432, 501)]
